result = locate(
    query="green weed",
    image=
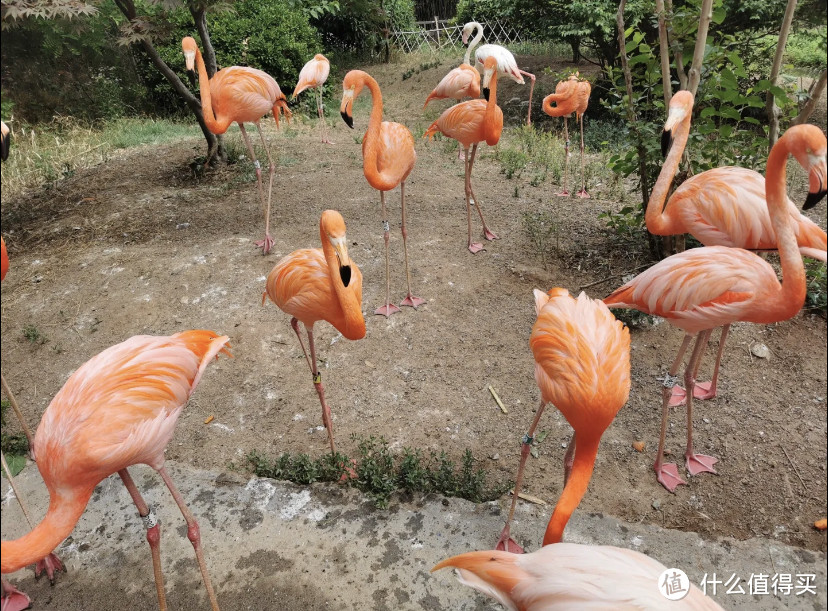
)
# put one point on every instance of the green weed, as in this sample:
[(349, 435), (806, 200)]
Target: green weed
[(33, 334), (14, 446), (542, 230), (816, 297)]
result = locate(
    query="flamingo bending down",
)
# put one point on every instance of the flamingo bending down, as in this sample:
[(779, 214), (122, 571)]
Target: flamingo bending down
[(463, 81), (470, 123), (571, 95), (720, 207), (118, 409), (320, 284), (239, 94), (582, 367), (703, 288), (313, 76), (506, 62), (568, 576), (387, 159)]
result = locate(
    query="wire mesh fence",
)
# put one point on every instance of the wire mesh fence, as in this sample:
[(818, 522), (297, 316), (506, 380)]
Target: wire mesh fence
[(436, 35)]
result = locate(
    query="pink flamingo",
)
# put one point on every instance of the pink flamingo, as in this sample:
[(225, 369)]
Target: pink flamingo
[(720, 207), (463, 81), (704, 288), (313, 76), (118, 409), (571, 95), (239, 94)]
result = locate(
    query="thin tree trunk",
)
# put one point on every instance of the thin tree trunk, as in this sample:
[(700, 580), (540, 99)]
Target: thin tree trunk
[(771, 108), (814, 93), (694, 74), (674, 43), (209, 55), (664, 53)]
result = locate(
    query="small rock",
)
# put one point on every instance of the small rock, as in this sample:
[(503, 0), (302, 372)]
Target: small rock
[(656, 504), (182, 225), (760, 350), (495, 456)]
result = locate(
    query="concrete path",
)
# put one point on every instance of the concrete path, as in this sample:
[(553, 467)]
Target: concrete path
[(275, 545)]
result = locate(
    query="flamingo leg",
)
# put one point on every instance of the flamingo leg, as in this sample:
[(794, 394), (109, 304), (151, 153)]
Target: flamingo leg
[(193, 534), (696, 463), (19, 413), (153, 527), (583, 191), (14, 599), (505, 542), (667, 474), (320, 390), (410, 300), (490, 235), (389, 308), (565, 191), (707, 390), (294, 322), (320, 109), (531, 90), (267, 243), (474, 247), (258, 167)]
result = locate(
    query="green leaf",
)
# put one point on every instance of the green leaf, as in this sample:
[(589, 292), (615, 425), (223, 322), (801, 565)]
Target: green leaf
[(16, 463), (708, 111)]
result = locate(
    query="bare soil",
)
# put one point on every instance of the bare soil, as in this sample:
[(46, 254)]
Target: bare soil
[(142, 245)]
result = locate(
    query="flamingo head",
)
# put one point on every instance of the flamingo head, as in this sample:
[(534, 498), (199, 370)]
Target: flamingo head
[(5, 140), (467, 30), (809, 147), (281, 106), (190, 48), (351, 88), (681, 107), (332, 226), (489, 73)]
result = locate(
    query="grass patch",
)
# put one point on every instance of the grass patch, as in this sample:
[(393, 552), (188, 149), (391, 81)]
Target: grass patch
[(33, 335), (543, 231), (379, 473), (14, 446), (816, 296)]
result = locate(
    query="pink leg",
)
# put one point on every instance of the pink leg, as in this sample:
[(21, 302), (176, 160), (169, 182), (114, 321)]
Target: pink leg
[(696, 463), (583, 192), (707, 390), (531, 90), (320, 390), (389, 308), (321, 112), (490, 235), (193, 534), (565, 192), (153, 527), (14, 599), (667, 474), (409, 300), (267, 243), (474, 247), (18, 412), (505, 542)]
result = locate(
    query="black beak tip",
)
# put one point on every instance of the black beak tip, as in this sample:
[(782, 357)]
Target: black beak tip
[(813, 199), (4, 147), (666, 141), (349, 120), (345, 274), (486, 93), (192, 76)]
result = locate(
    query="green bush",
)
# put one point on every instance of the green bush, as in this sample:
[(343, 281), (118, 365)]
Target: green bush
[(806, 49)]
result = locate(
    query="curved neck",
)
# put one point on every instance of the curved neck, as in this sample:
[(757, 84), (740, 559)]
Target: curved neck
[(491, 106), (372, 142), (478, 36), (206, 99), (657, 221), (349, 301), (64, 512), (586, 450)]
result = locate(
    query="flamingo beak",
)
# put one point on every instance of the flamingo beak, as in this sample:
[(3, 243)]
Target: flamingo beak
[(666, 141), (5, 141), (191, 76), (816, 184), (341, 249), (674, 117), (487, 78), (346, 107)]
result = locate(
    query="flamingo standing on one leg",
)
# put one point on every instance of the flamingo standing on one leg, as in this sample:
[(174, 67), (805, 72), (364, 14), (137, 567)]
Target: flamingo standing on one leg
[(313, 76), (720, 207), (582, 366), (568, 576), (118, 409), (239, 94), (470, 123), (387, 159), (506, 62), (320, 284), (703, 288)]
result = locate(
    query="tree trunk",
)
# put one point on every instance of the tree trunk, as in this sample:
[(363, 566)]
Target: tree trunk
[(674, 43), (209, 54), (664, 53), (694, 74), (814, 93), (575, 45), (770, 106)]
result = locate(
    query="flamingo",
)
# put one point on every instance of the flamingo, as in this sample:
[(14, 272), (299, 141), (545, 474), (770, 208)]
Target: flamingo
[(118, 409), (387, 159), (313, 76), (320, 284), (463, 81), (703, 288), (239, 94), (471, 123), (572, 576), (723, 206), (582, 366), (571, 95), (506, 62)]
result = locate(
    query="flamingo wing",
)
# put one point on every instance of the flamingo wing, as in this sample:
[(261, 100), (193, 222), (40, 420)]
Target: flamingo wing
[(396, 156), (463, 122), (506, 62), (459, 83), (313, 74), (245, 94)]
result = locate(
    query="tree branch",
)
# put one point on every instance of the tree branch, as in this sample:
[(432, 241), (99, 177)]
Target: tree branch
[(814, 93), (770, 105)]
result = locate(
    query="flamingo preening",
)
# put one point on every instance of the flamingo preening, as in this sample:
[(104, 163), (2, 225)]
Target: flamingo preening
[(320, 284), (703, 288), (118, 409), (239, 94), (571, 95), (387, 159), (313, 76)]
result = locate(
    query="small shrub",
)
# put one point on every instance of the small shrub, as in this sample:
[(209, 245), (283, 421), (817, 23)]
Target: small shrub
[(816, 297), (11, 444), (33, 334), (542, 228)]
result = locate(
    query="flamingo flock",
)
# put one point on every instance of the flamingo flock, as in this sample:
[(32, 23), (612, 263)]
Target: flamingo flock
[(121, 407)]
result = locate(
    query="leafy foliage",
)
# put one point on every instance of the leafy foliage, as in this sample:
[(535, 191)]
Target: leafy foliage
[(816, 297), (13, 446)]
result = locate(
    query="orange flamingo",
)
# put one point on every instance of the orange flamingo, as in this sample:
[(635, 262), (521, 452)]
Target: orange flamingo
[(387, 159), (571, 95), (463, 81), (320, 284), (703, 288), (572, 576), (723, 206), (313, 76), (582, 367), (470, 123), (239, 94), (118, 409)]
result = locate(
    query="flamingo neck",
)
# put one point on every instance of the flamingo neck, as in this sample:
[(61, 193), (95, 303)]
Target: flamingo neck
[(213, 124), (372, 142), (64, 512), (478, 36), (659, 221), (489, 123), (353, 323), (586, 449)]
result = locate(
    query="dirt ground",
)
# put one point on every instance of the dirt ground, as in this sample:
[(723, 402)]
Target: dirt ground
[(142, 246)]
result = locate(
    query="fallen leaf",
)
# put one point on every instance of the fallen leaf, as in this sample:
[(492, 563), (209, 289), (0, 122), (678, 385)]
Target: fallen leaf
[(821, 524), (209, 420), (16, 463), (638, 446)]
